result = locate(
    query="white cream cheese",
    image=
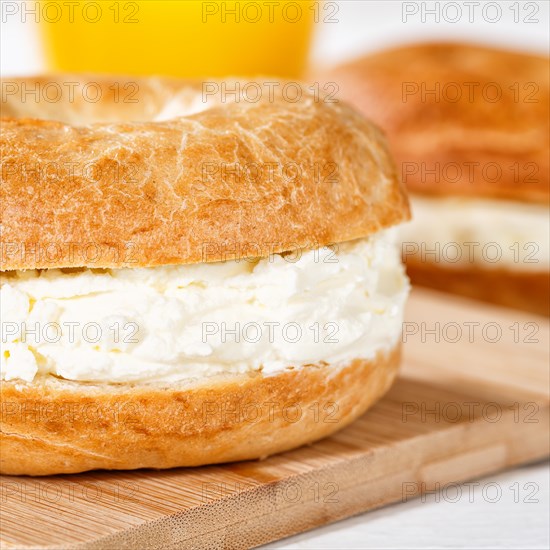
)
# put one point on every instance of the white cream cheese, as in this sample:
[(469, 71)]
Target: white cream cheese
[(492, 234), (176, 322)]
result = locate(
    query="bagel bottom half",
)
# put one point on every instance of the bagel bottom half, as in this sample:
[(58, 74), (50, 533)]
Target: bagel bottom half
[(53, 426), (519, 290)]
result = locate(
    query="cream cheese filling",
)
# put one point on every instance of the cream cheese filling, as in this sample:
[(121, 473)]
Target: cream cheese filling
[(492, 234), (332, 305)]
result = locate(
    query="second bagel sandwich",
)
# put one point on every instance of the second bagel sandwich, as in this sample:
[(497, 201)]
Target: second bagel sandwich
[(469, 126), (187, 282)]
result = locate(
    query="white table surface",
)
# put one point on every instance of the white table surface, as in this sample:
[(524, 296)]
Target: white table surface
[(520, 517), (470, 517)]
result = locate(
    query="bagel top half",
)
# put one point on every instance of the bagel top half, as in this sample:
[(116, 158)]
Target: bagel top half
[(462, 120), (179, 177)]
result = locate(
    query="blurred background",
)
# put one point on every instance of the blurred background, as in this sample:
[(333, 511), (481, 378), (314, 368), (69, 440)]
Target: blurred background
[(217, 38)]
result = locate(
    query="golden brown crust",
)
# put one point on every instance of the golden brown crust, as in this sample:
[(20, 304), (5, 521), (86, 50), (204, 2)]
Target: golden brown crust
[(519, 290), (67, 427), (464, 122), (132, 194)]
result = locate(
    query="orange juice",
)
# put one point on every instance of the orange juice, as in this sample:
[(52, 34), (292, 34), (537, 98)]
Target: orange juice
[(188, 38)]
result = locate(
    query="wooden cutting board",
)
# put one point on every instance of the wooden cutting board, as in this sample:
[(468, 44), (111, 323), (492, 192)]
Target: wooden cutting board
[(474, 402)]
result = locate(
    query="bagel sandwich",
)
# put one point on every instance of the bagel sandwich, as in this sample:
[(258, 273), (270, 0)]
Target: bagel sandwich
[(469, 128), (187, 282)]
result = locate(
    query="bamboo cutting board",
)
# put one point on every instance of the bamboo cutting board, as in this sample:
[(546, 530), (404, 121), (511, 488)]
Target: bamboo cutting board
[(472, 398)]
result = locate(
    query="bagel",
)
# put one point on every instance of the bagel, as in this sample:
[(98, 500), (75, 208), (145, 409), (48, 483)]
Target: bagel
[(469, 127), (168, 301)]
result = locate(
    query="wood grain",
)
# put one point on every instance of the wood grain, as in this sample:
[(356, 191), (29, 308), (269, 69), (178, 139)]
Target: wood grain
[(462, 408)]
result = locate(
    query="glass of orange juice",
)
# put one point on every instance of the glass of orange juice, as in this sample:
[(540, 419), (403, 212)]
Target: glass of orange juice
[(186, 38)]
